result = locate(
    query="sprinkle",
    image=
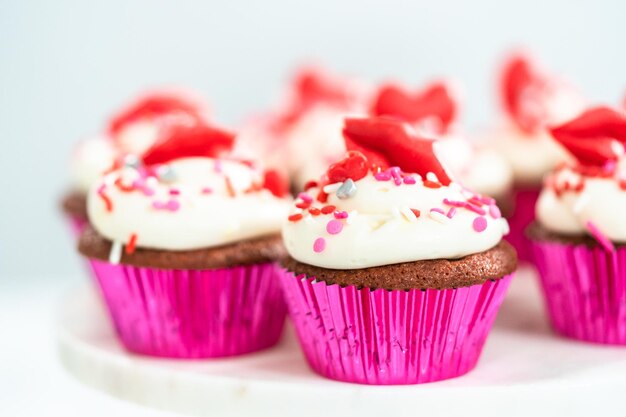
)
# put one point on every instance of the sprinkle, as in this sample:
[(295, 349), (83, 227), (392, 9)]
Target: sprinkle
[(409, 180), (432, 177), (347, 189), (303, 205), (437, 210), (132, 241), (382, 176), (229, 187), (431, 184), (170, 205), (310, 184), (328, 209), (475, 209), (494, 211), (341, 214), (395, 173), (486, 200), (396, 212), (314, 211), (322, 197), (305, 197), (319, 245), (174, 191), (408, 214), (147, 191), (206, 190), (334, 226), (600, 237), (108, 204), (295, 217), (416, 212), (438, 215), (479, 224), (451, 212), (475, 201), (217, 166), (166, 173), (331, 188), (453, 203), (123, 187), (116, 252), (132, 161)]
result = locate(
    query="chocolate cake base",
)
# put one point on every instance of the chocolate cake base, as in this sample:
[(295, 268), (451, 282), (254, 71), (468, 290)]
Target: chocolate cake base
[(74, 204), (494, 263), (537, 232), (246, 252)]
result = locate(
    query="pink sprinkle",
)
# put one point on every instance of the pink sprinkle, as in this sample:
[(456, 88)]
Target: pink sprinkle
[(453, 203), (102, 188), (395, 173), (479, 224), (486, 200), (475, 209), (334, 226), (382, 176), (319, 245), (437, 210), (147, 191), (206, 190), (600, 237), (341, 214), (174, 191), (305, 197), (451, 212), (171, 205), (409, 180), (218, 166), (494, 211)]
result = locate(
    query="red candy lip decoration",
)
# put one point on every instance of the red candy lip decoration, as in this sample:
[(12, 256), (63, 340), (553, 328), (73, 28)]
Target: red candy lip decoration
[(188, 141), (435, 101), (353, 166), (387, 142), (276, 183), (595, 137), (524, 90), (154, 106)]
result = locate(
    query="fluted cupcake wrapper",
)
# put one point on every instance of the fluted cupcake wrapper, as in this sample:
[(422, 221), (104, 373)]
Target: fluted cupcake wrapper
[(193, 314), (523, 214), (585, 290), (385, 337)]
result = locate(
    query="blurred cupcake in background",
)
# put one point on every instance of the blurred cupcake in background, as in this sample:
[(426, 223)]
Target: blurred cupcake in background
[(396, 272), (302, 136), (579, 238), (434, 113), (531, 99), (131, 130), (183, 241)]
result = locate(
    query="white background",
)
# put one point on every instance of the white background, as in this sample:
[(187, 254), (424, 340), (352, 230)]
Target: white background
[(64, 65)]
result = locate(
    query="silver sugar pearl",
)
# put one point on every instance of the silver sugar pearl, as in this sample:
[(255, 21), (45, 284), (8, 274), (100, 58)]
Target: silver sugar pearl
[(132, 161), (166, 173), (347, 189)]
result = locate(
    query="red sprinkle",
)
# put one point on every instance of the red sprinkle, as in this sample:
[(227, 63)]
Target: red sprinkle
[(295, 217), (309, 185), (130, 246), (416, 212), (124, 188), (303, 205), (322, 197), (314, 211), (328, 209), (107, 201), (229, 187), (431, 184)]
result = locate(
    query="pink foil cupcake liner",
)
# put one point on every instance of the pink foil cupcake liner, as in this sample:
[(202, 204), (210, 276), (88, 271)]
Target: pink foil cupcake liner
[(523, 215), (382, 337), (77, 225), (193, 314), (585, 290)]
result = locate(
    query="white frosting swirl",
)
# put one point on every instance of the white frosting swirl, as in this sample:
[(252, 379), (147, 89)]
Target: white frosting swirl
[(599, 200), (381, 228), (91, 158), (205, 203)]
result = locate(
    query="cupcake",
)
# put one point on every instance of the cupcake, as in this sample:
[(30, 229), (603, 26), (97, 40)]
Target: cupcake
[(395, 272), (579, 238), (531, 99), (130, 131), (433, 112), (302, 136), (184, 242)]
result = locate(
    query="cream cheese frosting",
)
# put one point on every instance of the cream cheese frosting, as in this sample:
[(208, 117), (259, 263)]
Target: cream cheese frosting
[(188, 203), (389, 218), (91, 158)]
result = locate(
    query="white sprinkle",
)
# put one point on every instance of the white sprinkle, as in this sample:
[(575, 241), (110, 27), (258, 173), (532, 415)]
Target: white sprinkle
[(432, 177), (439, 217), (408, 214), (116, 252), (331, 188), (396, 212)]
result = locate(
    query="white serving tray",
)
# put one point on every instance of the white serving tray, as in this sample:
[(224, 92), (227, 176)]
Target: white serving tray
[(525, 370)]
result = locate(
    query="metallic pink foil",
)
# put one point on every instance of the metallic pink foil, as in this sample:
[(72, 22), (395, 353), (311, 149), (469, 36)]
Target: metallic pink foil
[(523, 214), (585, 290), (193, 314), (382, 337)]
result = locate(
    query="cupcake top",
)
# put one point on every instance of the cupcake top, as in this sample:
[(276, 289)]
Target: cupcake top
[(433, 112), (390, 200), (132, 130), (588, 194), (184, 193), (531, 100)]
